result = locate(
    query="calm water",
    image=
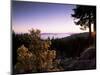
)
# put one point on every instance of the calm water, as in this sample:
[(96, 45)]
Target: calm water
[(54, 35)]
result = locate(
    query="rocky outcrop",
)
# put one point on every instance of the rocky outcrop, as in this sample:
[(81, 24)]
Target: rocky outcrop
[(87, 60)]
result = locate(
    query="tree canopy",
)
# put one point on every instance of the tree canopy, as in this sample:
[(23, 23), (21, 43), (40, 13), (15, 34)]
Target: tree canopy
[(85, 16)]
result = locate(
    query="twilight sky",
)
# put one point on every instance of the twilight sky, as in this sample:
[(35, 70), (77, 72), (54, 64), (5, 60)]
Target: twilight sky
[(49, 18)]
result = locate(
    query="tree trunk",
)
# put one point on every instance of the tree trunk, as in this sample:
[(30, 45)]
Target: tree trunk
[(94, 26), (94, 39), (89, 30)]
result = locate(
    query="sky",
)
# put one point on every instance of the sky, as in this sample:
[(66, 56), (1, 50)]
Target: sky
[(47, 17)]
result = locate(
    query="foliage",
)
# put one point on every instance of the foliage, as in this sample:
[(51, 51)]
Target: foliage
[(85, 16), (18, 40), (25, 58), (36, 58)]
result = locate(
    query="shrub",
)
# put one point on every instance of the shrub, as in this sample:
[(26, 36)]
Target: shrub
[(38, 58)]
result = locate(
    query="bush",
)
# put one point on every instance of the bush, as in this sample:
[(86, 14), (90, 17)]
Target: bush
[(24, 57), (38, 58)]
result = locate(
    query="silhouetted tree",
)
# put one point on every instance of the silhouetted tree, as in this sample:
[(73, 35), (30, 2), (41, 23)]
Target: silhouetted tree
[(85, 16)]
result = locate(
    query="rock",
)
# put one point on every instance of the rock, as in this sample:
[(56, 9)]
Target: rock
[(89, 53), (86, 61)]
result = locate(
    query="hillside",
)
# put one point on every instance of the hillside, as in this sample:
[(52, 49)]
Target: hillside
[(73, 45), (75, 52)]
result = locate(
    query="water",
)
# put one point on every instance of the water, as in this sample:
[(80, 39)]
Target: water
[(54, 35)]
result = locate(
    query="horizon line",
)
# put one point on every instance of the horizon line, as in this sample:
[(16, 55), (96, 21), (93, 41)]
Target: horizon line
[(50, 32)]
